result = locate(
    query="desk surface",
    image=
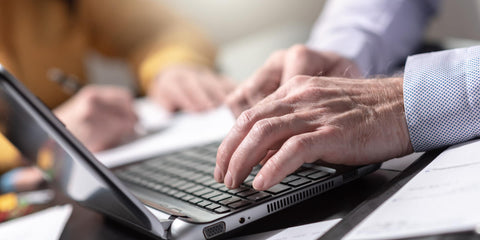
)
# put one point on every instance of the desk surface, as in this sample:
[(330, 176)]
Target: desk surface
[(87, 224)]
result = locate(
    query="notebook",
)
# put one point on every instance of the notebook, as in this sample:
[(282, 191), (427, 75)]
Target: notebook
[(172, 196)]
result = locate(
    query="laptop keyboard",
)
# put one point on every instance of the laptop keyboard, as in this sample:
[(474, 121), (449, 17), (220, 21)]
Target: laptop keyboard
[(188, 176)]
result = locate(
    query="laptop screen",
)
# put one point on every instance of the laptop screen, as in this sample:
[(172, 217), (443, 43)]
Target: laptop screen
[(40, 139)]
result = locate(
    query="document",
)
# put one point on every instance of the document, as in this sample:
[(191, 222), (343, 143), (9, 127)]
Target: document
[(444, 197), (304, 232), (167, 132), (44, 225)]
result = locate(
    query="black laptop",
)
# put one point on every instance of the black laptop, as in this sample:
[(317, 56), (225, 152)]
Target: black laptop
[(172, 196)]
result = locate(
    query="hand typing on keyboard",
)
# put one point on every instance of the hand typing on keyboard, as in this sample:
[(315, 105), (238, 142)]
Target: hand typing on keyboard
[(342, 121)]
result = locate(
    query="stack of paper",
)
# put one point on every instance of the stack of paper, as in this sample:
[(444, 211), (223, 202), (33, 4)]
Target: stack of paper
[(444, 197)]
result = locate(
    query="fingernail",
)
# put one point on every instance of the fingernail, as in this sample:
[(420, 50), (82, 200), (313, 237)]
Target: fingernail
[(228, 180), (218, 174), (258, 182)]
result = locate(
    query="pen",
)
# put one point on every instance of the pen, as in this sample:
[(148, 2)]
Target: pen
[(69, 83)]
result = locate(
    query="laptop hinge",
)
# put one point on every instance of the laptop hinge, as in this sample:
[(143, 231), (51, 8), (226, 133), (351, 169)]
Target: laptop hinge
[(164, 219)]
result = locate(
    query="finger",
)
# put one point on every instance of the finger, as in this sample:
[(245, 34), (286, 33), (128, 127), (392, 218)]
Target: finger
[(297, 150), (215, 88), (266, 80), (228, 84), (238, 132), (265, 135), (179, 94), (199, 92), (263, 82), (160, 95), (116, 101), (299, 60), (237, 102)]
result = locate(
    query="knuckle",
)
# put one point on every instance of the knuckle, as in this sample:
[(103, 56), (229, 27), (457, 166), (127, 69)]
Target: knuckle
[(273, 165), (312, 92), (299, 80), (298, 144), (263, 128), (245, 119), (298, 52), (276, 55)]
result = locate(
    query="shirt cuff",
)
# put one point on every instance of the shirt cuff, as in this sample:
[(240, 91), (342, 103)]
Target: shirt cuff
[(442, 97)]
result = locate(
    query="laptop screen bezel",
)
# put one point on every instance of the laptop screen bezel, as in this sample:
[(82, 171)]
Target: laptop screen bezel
[(143, 219)]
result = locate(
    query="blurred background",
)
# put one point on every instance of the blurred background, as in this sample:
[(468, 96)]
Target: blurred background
[(247, 32)]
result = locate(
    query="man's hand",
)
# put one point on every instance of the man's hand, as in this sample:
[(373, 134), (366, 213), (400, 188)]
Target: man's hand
[(283, 65), (99, 116), (189, 88), (342, 121)]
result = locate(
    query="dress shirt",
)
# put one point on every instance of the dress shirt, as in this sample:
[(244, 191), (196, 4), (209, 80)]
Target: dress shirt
[(376, 34)]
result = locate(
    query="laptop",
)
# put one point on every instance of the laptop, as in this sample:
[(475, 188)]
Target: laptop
[(172, 196)]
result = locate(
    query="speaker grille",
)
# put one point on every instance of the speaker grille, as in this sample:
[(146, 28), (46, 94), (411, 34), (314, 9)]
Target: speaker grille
[(214, 230), (295, 198)]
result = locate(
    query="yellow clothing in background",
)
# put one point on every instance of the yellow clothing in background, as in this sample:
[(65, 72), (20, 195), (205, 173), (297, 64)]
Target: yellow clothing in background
[(38, 35)]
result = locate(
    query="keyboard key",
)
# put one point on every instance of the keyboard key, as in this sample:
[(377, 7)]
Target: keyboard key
[(212, 194), (248, 183), (224, 189), (307, 172), (187, 197), (258, 196), (204, 203), (239, 204), (203, 179), (178, 184), (239, 189), (186, 186), (230, 200), (172, 192), (217, 185), (255, 170), (194, 189), (276, 189), (212, 206), (247, 193), (299, 182), (195, 200), (202, 192), (318, 175), (221, 210), (210, 182), (249, 178), (290, 178), (179, 194), (220, 197)]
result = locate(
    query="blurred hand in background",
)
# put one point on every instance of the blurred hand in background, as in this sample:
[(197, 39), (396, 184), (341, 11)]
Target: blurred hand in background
[(99, 116), (190, 88)]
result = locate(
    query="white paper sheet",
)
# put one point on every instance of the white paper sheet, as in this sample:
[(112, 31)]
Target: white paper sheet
[(303, 232), (443, 197), (174, 132), (44, 225)]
